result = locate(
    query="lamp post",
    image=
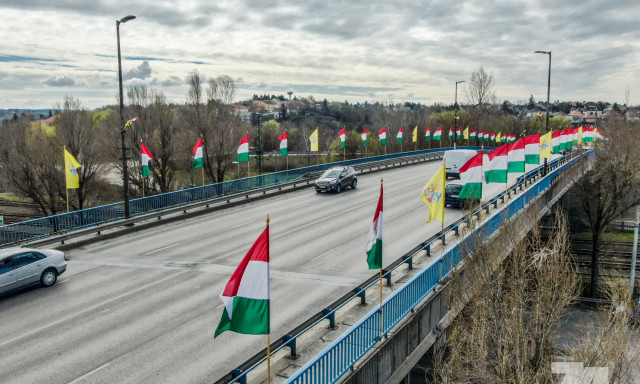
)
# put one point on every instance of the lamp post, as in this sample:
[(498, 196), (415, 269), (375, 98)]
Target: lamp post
[(455, 115), (235, 162), (125, 171), (546, 124)]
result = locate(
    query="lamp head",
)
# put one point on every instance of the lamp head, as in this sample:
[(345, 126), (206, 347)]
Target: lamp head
[(126, 18), (545, 52)]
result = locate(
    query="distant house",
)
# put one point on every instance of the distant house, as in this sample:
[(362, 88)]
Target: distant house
[(576, 117), (242, 111)]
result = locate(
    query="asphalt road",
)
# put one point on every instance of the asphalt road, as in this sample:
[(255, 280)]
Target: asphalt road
[(143, 308)]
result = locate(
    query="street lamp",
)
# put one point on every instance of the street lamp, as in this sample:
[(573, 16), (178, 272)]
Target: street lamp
[(546, 125), (125, 171), (455, 115)]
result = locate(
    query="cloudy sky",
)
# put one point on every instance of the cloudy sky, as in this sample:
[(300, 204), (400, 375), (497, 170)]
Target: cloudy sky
[(375, 50)]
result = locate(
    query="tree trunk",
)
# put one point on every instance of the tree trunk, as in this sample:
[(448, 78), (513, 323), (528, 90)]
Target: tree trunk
[(595, 265)]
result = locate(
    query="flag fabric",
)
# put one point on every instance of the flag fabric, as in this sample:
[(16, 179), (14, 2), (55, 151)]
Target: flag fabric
[(427, 133), (493, 136), (382, 134), (459, 133), (343, 136), (197, 154), (466, 133), (283, 143), (313, 139), (516, 157), (246, 295), (471, 176), (450, 133), (473, 134), (496, 171), (532, 149), (587, 134), (399, 135), (145, 156), (597, 135), (243, 149), (546, 145), (364, 137), (433, 195), (131, 120), (499, 137), (374, 241), (414, 137), (555, 141), (438, 134), (71, 173)]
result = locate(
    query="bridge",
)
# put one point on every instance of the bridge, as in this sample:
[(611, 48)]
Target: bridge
[(139, 303)]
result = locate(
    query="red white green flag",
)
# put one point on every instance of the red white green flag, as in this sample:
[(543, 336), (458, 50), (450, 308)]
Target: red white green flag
[(364, 137), (374, 242), (438, 134), (383, 135), (197, 154), (246, 295), (427, 133), (283, 143), (399, 135), (145, 156), (450, 133), (459, 133), (555, 141), (496, 171), (532, 149), (243, 149), (471, 176), (516, 157), (343, 136)]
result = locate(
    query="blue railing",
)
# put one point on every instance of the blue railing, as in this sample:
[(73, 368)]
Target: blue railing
[(339, 357), (66, 222)]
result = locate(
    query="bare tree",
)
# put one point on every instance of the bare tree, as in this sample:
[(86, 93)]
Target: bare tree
[(613, 186), (480, 90)]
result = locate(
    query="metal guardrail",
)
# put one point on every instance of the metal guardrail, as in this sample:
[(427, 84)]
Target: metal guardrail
[(239, 375), (73, 221), (339, 357)]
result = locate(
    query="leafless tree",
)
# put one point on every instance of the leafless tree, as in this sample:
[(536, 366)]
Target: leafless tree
[(480, 90)]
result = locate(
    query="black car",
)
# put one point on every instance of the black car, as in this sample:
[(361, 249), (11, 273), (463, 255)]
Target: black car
[(452, 191), (336, 179)]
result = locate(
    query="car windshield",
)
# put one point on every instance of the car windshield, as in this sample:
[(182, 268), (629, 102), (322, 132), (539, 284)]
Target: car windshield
[(453, 188), (332, 173)]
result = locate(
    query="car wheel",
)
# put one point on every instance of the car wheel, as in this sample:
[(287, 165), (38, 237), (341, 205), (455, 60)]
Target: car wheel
[(339, 188), (354, 183), (48, 277), (317, 191)]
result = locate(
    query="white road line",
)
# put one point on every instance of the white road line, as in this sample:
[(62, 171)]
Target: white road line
[(160, 249), (89, 373)]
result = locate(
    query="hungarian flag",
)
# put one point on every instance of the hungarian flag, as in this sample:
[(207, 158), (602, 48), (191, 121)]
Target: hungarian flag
[(145, 156), (450, 133), (471, 176), (496, 171), (399, 135), (374, 242), (516, 157), (383, 135), (71, 172), (555, 141), (493, 136), (587, 134), (427, 133), (343, 136), (364, 137), (433, 195), (246, 295), (532, 149), (459, 133), (414, 137), (473, 134), (545, 145), (438, 134), (197, 154), (283, 143), (243, 149)]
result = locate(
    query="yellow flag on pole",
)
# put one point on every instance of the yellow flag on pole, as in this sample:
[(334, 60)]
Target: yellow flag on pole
[(545, 145), (466, 133), (433, 195), (71, 173), (499, 137), (314, 141), (414, 138)]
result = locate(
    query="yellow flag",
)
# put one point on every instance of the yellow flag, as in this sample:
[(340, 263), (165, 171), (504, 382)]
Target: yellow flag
[(415, 134), (545, 145), (466, 133), (70, 165), (433, 195), (314, 141), (499, 137), (579, 135)]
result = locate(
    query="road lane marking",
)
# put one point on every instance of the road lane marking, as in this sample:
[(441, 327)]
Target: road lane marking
[(90, 373), (160, 249)]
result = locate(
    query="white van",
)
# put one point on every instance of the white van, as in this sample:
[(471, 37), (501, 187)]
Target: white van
[(454, 159)]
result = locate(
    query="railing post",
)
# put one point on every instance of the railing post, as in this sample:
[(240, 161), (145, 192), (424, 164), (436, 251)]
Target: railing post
[(331, 316), (290, 341), (236, 372), (387, 275), (408, 260), (362, 294), (428, 249)]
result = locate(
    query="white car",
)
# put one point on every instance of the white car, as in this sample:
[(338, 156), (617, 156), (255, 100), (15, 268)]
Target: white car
[(20, 267)]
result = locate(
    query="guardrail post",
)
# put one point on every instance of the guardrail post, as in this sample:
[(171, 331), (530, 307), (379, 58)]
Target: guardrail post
[(387, 275), (290, 341), (331, 316), (236, 372), (408, 260), (456, 230), (486, 208), (495, 203), (428, 249), (444, 240), (362, 294)]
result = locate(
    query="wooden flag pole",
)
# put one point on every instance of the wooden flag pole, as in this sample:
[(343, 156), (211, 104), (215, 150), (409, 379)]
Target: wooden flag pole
[(142, 186), (67, 189), (202, 172)]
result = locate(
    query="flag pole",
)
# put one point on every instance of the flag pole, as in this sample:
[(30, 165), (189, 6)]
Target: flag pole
[(269, 335), (380, 320), (67, 190)]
